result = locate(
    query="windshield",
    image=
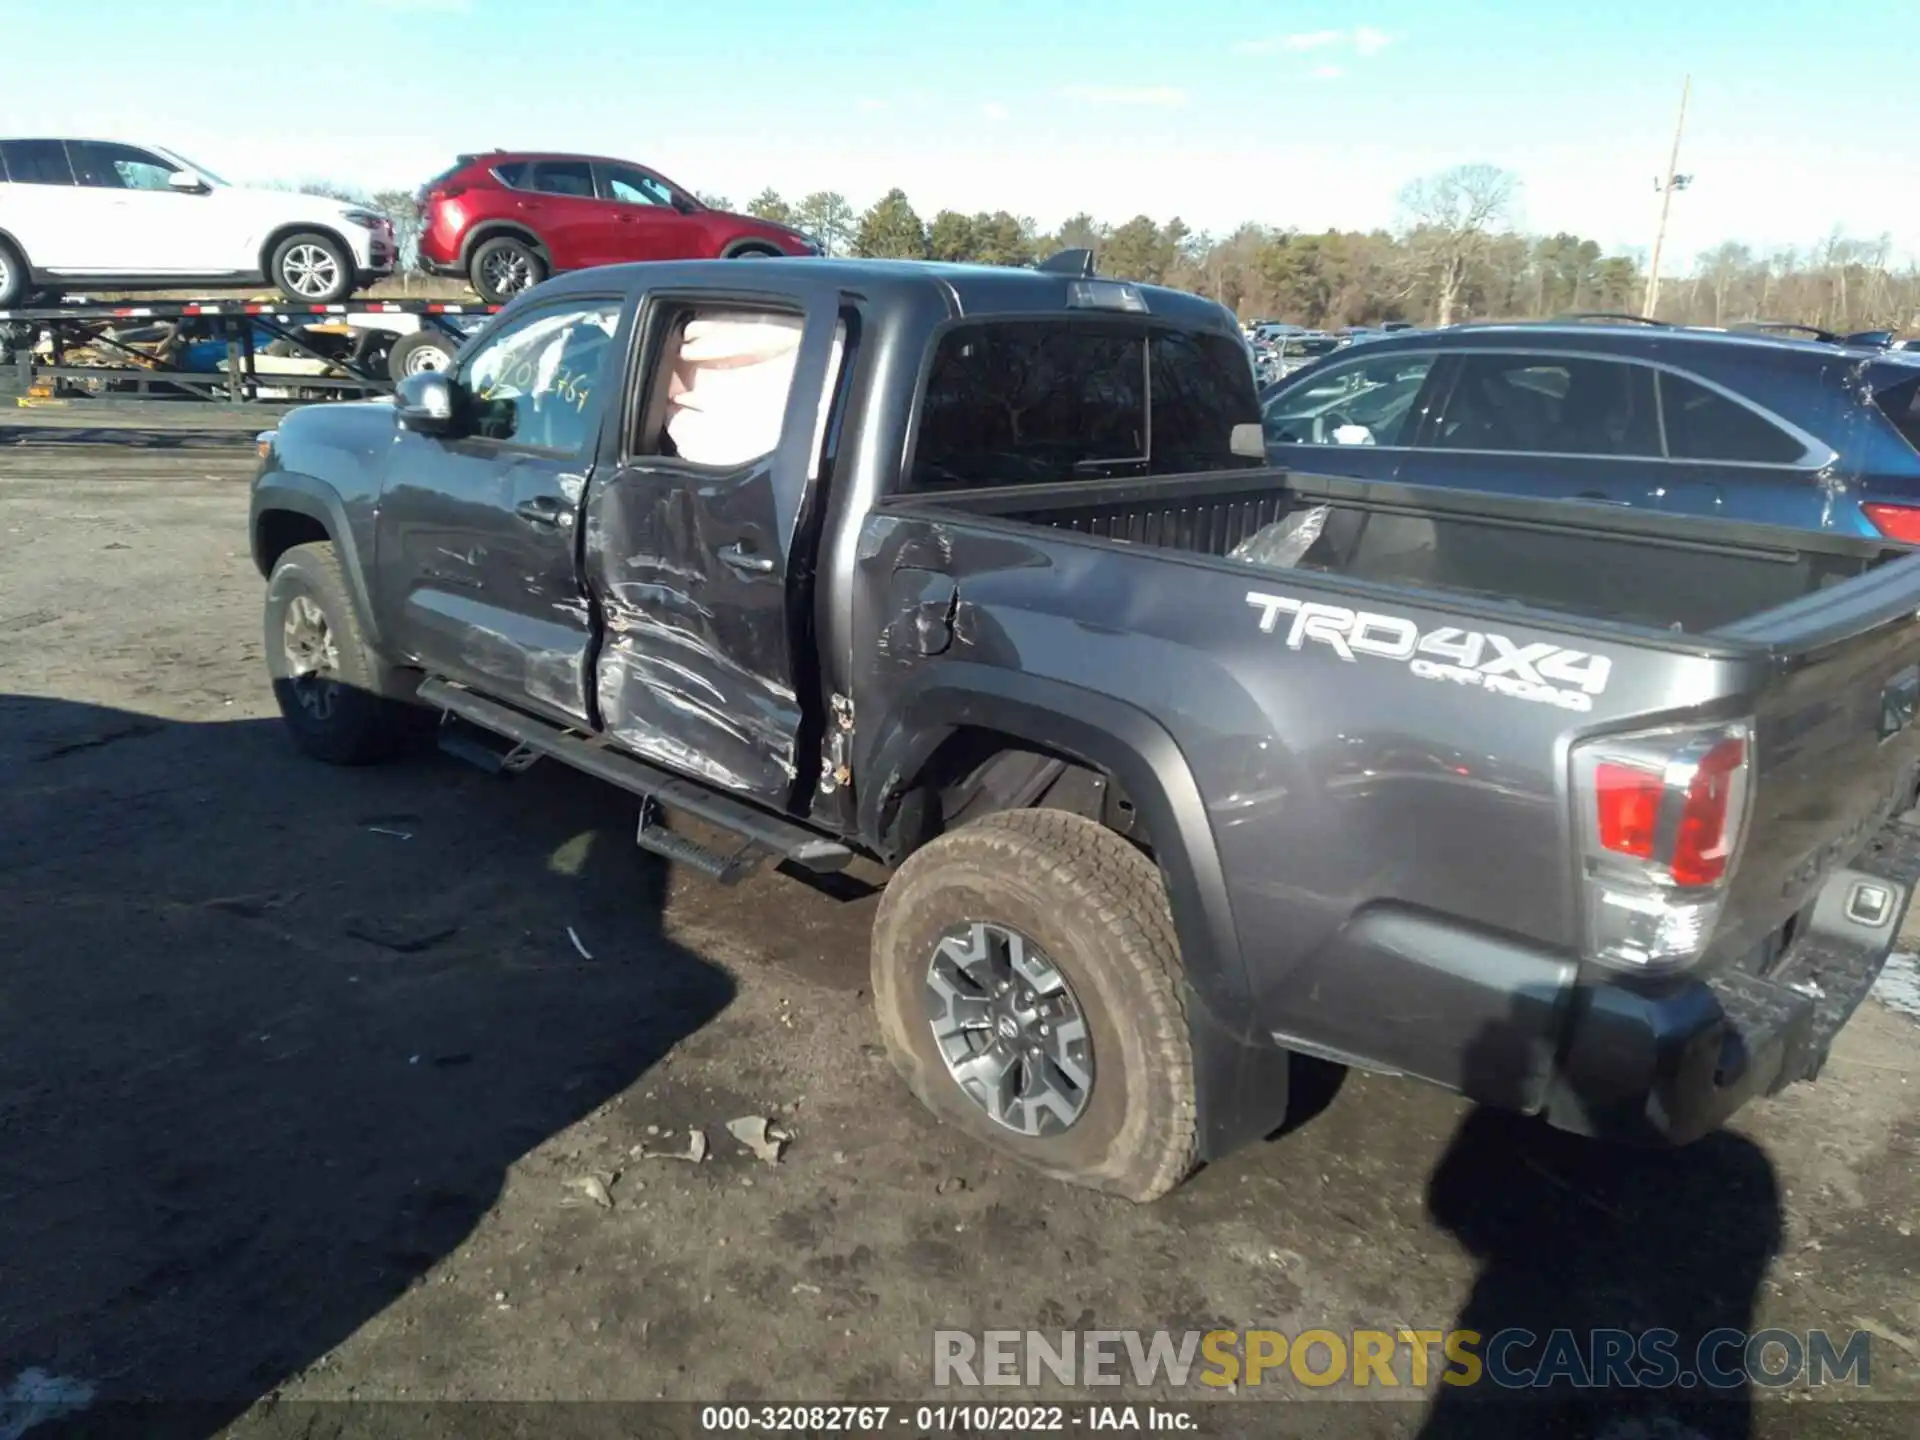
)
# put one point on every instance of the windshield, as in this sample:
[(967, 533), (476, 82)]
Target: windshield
[(185, 164)]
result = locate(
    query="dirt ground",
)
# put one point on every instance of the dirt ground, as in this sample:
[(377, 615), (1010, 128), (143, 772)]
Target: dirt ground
[(313, 1084)]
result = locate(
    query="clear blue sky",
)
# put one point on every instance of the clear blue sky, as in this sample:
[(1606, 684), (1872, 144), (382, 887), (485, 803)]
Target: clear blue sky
[(1805, 113)]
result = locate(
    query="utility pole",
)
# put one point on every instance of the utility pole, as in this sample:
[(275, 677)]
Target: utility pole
[(1666, 188)]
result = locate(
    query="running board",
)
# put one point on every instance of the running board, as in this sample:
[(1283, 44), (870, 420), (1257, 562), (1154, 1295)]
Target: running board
[(762, 834)]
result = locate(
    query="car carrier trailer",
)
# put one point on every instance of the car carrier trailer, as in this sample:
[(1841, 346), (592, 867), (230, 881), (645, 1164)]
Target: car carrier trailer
[(260, 350)]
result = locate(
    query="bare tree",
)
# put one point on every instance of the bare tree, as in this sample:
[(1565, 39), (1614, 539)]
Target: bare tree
[(1448, 223)]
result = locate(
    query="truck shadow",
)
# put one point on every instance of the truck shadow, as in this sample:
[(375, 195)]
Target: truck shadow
[(272, 1034), (1576, 1236)]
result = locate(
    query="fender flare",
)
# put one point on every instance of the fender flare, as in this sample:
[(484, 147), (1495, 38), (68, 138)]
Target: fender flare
[(493, 230), (1240, 1075), (12, 243), (318, 501)]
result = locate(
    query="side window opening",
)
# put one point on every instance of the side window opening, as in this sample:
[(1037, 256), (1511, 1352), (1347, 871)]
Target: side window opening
[(1550, 405), (1365, 402), (1703, 424), (36, 162), (564, 177), (532, 385), (632, 187), (720, 386)]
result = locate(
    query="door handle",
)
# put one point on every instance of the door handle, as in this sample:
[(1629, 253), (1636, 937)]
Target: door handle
[(540, 510), (745, 561)]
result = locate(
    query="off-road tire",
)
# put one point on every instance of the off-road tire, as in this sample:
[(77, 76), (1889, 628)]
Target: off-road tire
[(403, 359), (1098, 908), (345, 276), (14, 284), (360, 726), (479, 265)]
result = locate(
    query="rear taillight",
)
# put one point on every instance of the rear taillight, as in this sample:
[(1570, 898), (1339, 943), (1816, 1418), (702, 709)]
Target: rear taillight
[(444, 192), (1896, 522), (1661, 815)]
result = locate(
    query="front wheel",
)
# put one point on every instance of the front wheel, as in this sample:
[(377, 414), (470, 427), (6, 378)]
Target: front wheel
[(315, 268), (1028, 985), (323, 670)]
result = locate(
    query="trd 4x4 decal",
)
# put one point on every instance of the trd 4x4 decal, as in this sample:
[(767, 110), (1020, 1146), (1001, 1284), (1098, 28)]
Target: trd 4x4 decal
[(1547, 674)]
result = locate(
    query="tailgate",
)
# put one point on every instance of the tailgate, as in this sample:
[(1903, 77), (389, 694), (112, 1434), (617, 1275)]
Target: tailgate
[(1836, 747)]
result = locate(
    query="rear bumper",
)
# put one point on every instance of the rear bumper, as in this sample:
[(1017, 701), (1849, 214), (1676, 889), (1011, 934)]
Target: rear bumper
[(1659, 1064), (1666, 1068)]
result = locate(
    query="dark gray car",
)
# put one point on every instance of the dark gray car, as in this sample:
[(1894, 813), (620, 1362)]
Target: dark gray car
[(1180, 764)]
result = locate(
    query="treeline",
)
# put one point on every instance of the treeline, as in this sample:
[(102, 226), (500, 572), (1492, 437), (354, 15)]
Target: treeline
[(1454, 255)]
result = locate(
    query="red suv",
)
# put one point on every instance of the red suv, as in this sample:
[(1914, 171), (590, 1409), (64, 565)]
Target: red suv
[(508, 219)]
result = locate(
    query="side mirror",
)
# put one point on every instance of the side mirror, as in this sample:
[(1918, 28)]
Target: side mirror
[(187, 182), (1249, 442), (425, 403)]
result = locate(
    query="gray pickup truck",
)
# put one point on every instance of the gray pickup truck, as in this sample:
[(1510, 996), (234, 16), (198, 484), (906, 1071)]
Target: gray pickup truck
[(1589, 813)]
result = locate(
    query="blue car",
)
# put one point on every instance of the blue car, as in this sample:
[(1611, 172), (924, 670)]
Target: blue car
[(1811, 433)]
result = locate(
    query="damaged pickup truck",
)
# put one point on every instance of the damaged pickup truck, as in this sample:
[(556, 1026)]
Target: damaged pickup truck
[(1179, 764)]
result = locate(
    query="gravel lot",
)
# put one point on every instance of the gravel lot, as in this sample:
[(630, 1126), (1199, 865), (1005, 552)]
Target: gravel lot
[(313, 1083)]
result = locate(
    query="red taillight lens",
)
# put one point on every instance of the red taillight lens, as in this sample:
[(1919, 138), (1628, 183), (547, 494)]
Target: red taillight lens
[(1628, 807), (1662, 812), (1702, 845), (1896, 522), (445, 192)]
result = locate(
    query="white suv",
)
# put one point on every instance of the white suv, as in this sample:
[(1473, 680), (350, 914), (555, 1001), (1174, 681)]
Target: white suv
[(99, 215)]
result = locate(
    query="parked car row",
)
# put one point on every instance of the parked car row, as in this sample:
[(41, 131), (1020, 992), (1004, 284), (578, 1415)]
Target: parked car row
[(102, 215), (1754, 426)]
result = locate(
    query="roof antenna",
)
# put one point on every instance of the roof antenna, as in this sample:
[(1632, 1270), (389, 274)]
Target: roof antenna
[(1068, 262)]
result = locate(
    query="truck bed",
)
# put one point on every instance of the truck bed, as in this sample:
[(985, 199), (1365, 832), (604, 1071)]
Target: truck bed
[(1632, 567), (1356, 792)]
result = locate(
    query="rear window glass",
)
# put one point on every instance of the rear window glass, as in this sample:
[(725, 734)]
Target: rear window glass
[(444, 176), (1703, 424), (512, 174), (1901, 405), (1038, 403), (36, 162)]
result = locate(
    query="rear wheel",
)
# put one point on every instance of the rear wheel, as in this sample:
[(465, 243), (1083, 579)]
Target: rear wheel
[(1029, 988), (503, 267), (13, 277), (415, 354), (313, 267), (323, 670)]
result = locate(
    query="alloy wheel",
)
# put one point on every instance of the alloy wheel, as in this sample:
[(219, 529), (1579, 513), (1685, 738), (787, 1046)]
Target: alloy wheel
[(1009, 1027), (507, 273), (313, 657), (310, 271)]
